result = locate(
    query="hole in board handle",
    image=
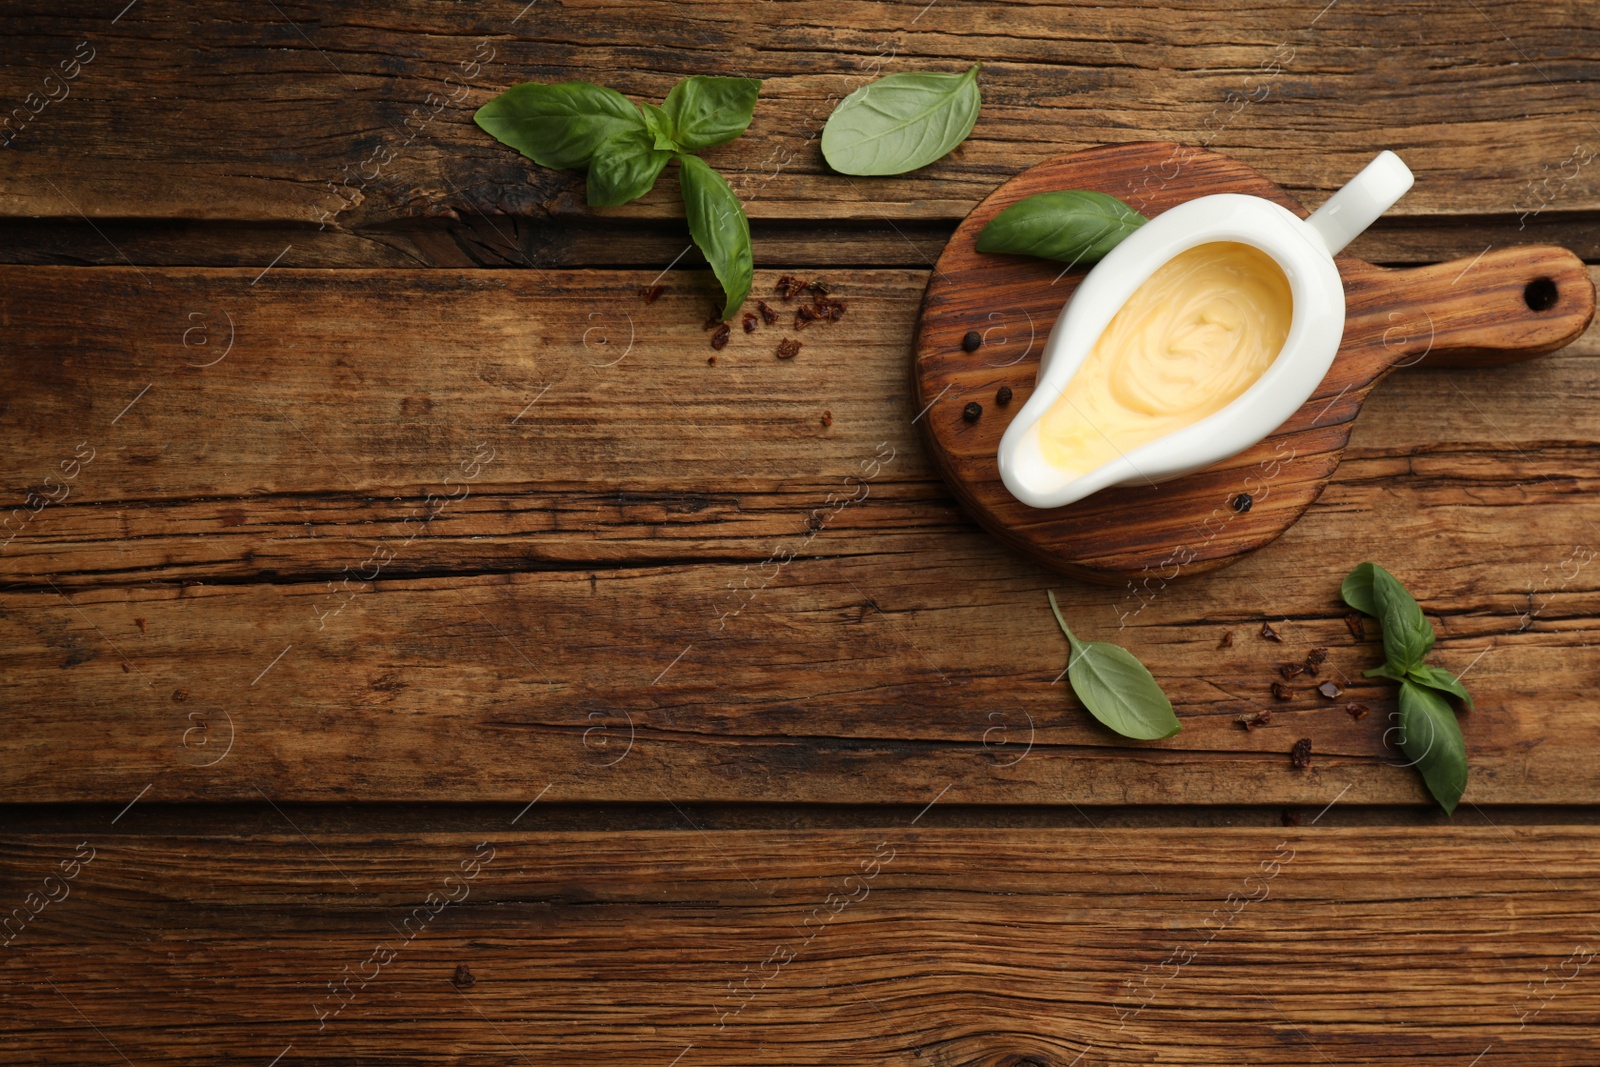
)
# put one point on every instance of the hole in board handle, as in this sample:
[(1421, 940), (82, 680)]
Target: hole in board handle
[(1540, 294)]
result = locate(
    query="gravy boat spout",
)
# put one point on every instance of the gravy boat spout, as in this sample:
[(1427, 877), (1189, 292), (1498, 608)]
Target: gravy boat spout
[(1303, 249)]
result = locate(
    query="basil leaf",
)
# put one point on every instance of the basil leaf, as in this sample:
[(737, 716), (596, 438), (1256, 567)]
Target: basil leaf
[(1116, 688), (719, 228), (1074, 226), (1385, 671), (1440, 679), (624, 168), (1431, 738), (901, 122), (558, 125), (659, 123), (707, 111), (1357, 589), (1407, 634)]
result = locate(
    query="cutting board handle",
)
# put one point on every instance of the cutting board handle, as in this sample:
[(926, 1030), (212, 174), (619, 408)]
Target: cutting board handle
[(1504, 306)]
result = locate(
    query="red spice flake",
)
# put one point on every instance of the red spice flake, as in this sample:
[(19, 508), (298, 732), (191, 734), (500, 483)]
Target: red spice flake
[(1250, 722), (140, 624), (827, 418), (1357, 710), (1357, 630), (463, 977), (789, 286), (1315, 659), (1289, 670), (1330, 690), (713, 320), (1300, 754), (820, 287), (125, 668), (804, 315), (1281, 691), (831, 310), (788, 348), (1226, 641), (749, 322), (719, 340), (768, 316), (711, 361), (180, 695), (1269, 633), (1289, 818), (651, 293)]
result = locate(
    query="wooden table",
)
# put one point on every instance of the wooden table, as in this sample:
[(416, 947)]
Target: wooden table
[(421, 653)]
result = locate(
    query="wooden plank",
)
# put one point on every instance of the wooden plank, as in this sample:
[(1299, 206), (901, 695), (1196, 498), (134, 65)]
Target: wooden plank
[(364, 114), (895, 945), (593, 587)]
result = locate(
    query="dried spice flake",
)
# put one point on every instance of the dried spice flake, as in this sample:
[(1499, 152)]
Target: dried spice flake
[(651, 293), (713, 320), (788, 348), (749, 322), (1289, 670), (790, 287), (719, 340), (1250, 722), (463, 977), (1226, 640), (804, 316), (1315, 659), (141, 625), (1281, 691), (1330, 690), (820, 287), (1357, 710), (711, 361), (768, 316), (1357, 630), (827, 419), (1269, 633), (1300, 754)]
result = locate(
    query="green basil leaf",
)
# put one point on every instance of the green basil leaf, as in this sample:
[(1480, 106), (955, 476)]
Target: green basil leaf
[(1116, 688), (1440, 679), (624, 168), (1357, 589), (1074, 226), (1431, 738), (1385, 671), (558, 125), (659, 123), (1407, 634), (901, 122), (719, 228), (707, 111)]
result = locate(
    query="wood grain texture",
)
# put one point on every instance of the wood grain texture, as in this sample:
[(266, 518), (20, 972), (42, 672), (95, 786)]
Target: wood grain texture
[(894, 945), (1474, 312), (361, 115), (592, 586)]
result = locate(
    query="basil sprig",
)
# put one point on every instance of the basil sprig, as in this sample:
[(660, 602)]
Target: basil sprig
[(1116, 687), (1430, 736), (1073, 226), (625, 147), (901, 122)]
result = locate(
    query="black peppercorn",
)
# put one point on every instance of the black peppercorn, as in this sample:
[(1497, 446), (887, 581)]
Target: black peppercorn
[(972, 411), (1003, 395), (1243, 502), (971, 341)]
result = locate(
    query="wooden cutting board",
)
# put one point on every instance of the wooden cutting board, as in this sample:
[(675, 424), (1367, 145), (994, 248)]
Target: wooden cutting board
[(1503, 306)]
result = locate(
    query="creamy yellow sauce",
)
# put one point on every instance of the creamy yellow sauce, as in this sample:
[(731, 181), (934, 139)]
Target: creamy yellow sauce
[(1193, 337)]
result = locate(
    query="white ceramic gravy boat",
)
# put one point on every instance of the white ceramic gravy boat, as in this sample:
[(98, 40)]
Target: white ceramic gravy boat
[(1303, 248)]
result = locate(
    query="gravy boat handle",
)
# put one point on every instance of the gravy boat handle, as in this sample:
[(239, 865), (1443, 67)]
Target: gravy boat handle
[(1356, 206)]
